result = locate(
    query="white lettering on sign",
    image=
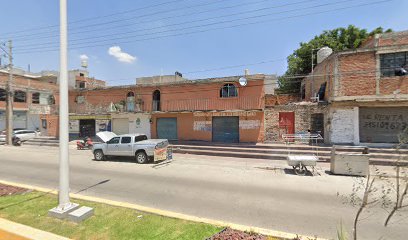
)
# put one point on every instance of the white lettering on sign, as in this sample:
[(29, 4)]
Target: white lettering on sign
[(224, 114), (204, 126), (249, 124)]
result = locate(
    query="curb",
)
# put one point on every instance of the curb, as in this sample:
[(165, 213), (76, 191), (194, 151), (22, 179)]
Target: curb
[(25, 232), (171, 214)]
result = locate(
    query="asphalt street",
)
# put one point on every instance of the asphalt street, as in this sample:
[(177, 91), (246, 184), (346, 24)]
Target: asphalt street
[(259, 193)]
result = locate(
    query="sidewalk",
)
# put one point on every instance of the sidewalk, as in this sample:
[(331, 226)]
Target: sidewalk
[(14, 231)]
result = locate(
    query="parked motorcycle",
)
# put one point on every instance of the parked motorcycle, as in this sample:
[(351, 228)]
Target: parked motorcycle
[(84, 144), (16, 141)]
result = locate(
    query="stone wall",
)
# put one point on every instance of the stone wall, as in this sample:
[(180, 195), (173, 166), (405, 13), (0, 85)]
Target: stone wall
[(303, 112)]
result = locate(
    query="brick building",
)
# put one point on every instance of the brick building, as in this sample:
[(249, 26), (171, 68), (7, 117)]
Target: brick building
[(366, 90), (34, 103), (216, 109)]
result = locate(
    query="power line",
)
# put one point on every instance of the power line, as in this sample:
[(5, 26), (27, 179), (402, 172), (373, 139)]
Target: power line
[(193, 27), (93, 18), (131, 18), (148, 21), (25, 51)]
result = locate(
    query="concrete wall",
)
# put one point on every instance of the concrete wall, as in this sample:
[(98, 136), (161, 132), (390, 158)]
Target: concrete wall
[(137, 122), (343, 124)]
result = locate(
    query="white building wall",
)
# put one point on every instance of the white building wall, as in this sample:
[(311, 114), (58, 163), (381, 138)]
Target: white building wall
[(137, 122), (33, 122), (343, 127)]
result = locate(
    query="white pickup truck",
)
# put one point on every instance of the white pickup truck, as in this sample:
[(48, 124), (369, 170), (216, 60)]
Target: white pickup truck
[(136, 145)]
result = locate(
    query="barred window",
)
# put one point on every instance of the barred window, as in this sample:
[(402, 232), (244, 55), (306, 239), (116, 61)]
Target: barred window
[(394, 64), (228, 90), (20, 96), (35, 98)]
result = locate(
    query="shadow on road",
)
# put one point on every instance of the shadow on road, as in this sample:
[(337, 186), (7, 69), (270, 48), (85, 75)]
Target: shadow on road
[(99, 183)]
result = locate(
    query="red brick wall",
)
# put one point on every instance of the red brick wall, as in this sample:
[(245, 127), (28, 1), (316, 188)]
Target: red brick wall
[(28, 85), (322, 73), (281, 99), (357, 74), (178, 97)]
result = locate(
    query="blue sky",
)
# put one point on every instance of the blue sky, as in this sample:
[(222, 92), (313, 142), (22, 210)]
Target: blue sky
[(156, 37)]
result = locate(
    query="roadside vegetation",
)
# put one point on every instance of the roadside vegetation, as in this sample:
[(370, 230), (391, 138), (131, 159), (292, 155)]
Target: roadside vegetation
[(109, 222)]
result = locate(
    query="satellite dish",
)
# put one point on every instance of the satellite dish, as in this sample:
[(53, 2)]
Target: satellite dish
[(243, 81)]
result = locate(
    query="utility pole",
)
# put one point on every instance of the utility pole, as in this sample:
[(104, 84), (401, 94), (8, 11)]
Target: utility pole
[(9, 91)]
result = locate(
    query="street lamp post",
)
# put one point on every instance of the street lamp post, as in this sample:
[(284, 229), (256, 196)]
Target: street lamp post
[(65, 208)]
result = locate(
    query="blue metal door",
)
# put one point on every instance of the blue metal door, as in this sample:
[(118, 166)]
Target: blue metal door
[(167, 128), (225, 129)]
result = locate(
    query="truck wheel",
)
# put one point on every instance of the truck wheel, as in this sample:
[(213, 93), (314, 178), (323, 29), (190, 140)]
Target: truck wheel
[(99, 156), (141, 157)]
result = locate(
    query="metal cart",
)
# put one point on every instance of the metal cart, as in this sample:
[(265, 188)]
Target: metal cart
[(300, 162)]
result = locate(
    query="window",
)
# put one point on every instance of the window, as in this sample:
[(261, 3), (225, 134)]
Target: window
[(156, 100), (228, 90), (35, 98), (3, 94), (140, 138), (130, 102), (44, 123), (51, 100), (19, 96), (394, 64), (81, 74), (114, 140), (125, 140), (82, 85)]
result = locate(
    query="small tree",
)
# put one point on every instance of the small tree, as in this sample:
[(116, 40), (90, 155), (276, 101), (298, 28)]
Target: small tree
[(393, 193), (401, 179)]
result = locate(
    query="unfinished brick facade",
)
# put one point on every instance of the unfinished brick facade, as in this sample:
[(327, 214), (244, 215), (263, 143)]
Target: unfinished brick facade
[(367, 96)]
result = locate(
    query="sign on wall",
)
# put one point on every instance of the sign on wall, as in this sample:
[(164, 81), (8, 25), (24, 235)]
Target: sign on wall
[(204, 126), (101, 125), (74, 126), (382, 125), (249, 124), (224, 114)]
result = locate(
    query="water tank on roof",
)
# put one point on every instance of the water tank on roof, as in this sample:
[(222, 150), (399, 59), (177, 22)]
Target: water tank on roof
[(323, 53)]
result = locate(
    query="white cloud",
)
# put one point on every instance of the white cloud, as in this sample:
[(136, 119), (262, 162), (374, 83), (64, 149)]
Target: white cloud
[(116, 51), (83, 57)]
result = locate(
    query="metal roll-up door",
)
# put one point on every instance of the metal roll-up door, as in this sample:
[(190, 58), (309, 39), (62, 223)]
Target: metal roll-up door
[(382, 124), (120, 126), (19, 119), (225, 129), (167, 128)]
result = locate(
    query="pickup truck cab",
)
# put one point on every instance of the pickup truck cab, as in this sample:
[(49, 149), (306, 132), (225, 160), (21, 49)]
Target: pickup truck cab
[(131, 145)]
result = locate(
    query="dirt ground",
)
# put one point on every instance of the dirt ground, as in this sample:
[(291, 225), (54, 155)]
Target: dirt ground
[(230, 234), (10, 190)]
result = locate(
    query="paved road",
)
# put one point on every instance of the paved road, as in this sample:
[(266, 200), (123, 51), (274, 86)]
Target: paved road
[(245, 191)]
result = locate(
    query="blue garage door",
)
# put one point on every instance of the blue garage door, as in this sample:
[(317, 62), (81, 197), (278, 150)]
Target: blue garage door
[(167, 128), (225, 129)]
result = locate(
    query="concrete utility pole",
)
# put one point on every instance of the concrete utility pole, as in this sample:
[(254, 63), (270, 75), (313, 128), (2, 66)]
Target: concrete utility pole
[(9, 91), (65, 208)]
